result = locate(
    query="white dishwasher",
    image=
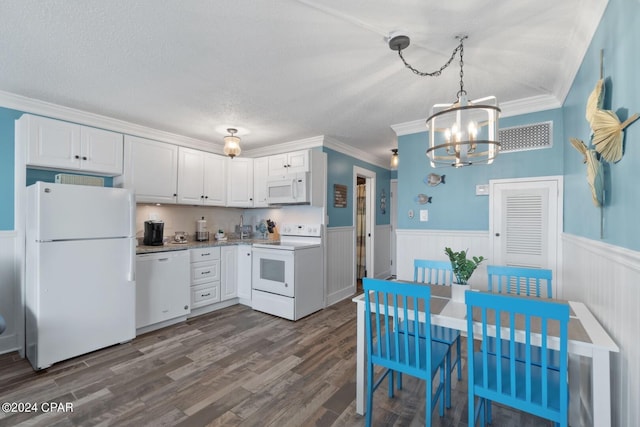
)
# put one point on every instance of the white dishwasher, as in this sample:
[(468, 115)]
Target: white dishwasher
[(162, 287)]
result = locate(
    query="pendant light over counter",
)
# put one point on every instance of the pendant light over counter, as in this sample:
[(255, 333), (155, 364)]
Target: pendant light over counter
[(232, 143)]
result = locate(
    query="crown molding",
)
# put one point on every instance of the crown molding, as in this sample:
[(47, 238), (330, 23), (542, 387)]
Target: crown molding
[(533, 104), (42, 108), (301, 144), (348, 150)]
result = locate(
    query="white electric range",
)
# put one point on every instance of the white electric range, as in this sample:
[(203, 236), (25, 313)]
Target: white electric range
[(288, 277)]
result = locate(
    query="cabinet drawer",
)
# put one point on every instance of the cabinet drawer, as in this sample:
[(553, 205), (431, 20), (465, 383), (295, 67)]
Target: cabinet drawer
[(205, 294), (205, 272), (205, 254)]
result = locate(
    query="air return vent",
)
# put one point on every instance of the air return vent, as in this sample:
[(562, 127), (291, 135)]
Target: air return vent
[(65, 178), (523, 138)]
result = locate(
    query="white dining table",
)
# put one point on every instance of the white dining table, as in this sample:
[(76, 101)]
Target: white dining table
[(593, 342)]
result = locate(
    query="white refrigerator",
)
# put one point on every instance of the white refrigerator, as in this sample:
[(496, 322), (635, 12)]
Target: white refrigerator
[(80, 270)]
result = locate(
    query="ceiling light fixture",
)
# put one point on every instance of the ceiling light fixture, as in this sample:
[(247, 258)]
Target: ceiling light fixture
[(465, 132), (394, 159), (232, 143)]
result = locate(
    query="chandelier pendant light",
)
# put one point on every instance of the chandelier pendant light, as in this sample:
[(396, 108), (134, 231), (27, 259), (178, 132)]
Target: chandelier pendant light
[(232, 143), (462, 133)]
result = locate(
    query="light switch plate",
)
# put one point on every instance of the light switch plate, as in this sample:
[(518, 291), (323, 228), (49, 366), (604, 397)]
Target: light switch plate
[(424, 215), (410, 213), (482, 190)]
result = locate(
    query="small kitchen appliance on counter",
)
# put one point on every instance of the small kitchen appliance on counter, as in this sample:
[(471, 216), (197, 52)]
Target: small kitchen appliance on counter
[(153, 233), (180, 237), (202, 234)]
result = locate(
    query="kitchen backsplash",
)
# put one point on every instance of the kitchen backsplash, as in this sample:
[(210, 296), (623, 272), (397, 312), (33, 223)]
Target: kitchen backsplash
[(183, 218)]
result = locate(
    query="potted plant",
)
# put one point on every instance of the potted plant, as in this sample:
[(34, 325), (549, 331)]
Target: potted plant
[(463, 268)]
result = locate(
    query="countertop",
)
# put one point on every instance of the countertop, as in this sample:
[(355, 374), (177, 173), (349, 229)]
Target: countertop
[(143, 249)]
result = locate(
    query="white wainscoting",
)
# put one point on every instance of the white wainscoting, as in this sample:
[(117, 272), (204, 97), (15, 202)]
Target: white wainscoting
[(382, 252), (340, 264), (607, 279), (10, 293), (430, 244)]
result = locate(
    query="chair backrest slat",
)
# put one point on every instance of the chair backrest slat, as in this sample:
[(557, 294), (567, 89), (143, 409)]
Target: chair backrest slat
[(506, 317), (432, 272), (520, 280), (396, 304)]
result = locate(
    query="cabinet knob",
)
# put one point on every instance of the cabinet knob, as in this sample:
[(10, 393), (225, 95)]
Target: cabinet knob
[(175, 194), (206, 197), (497, 234), (76, 156), (186, 307), (202, 197), (84, 157)]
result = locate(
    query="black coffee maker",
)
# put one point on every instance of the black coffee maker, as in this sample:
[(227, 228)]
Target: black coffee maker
[(153, 233)]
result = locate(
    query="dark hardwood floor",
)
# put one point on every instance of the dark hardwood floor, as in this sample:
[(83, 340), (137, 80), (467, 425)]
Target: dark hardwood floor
[(234, 367)]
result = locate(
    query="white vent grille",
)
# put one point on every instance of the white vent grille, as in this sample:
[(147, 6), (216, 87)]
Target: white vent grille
[(65, 178), (523, 138), (524, 225)]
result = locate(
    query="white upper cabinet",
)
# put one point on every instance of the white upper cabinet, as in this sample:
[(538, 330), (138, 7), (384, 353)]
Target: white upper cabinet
[(240, 182), (294, 162), (260, 173), (151, 170), (215, 177), (201, 178), (55, 144)]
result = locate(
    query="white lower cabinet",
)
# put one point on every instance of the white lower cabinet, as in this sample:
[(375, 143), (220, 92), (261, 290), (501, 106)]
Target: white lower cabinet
[(162, 287), (205, 276), (244, 274), (229, 255)]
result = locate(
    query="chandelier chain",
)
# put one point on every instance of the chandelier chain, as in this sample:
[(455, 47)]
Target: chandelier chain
[(462, 91), (436, 73)]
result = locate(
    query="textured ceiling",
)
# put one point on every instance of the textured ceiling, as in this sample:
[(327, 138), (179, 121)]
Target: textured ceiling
[(286, 70)]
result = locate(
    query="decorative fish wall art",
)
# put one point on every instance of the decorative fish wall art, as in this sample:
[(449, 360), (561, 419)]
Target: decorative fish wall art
[(423, 199), (434, 179)]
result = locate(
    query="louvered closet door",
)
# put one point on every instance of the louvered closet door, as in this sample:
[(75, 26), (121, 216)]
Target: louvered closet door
[(524, 223)]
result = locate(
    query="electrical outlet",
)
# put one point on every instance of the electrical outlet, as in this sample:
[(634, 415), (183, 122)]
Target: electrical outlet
[(424, 215)]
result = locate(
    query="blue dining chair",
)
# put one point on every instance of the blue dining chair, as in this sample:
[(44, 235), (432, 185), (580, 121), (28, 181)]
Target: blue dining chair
[(412, 354), (517, 382), (440, 273), (520, 280)]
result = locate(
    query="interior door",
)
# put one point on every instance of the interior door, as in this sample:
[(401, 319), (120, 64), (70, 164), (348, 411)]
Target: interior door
[(525, 223)]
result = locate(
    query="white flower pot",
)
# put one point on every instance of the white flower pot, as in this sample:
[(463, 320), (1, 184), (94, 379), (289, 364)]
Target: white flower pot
[(457, 292)]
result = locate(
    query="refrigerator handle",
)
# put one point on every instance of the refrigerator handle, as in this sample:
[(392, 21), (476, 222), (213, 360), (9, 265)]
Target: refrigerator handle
[(131, 277)]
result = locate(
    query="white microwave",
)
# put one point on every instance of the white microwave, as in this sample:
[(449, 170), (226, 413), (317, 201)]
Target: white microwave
[(292, 189)]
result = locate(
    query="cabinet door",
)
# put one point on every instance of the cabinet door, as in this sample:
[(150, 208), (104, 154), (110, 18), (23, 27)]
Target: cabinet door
[(215, 179), (190, 176), (278, 164), (244, 273), (101, 151), (298, 161), (229, 266), (240, 182), (151, 170), (260, 173), (53, 143)]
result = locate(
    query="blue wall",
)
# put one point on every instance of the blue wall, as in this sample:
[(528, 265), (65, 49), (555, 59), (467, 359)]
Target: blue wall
[(7, 136), (340, 171), (454, 205), (617, 35)]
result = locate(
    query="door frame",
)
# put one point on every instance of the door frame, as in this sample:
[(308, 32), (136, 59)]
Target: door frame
[(516, 183), (393, 217), (370, 177)]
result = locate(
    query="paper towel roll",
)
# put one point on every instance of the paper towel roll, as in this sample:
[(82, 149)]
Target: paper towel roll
[(201, 224)]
